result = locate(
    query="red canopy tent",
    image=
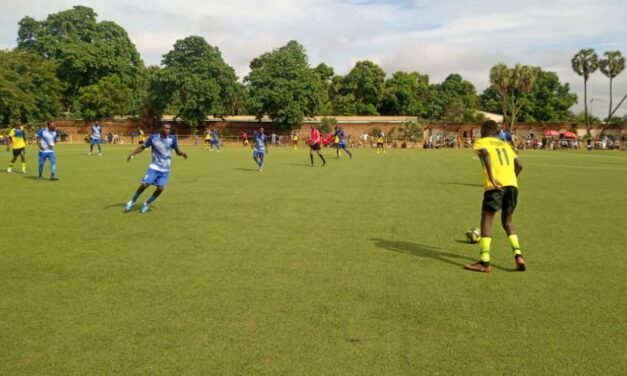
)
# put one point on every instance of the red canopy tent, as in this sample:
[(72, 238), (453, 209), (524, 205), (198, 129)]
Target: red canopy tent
[(550, 132), (570, 135)]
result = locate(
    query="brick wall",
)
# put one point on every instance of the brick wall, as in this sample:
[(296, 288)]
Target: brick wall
[(353, 126)]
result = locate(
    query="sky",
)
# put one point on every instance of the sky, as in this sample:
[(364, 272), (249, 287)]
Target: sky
[(432, 37)]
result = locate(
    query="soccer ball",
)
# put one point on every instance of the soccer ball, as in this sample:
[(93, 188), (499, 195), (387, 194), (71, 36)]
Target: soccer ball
[(473, 235)]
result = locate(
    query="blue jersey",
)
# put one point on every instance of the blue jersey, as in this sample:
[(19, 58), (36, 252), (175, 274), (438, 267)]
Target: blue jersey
[(47, 139), (96, 132), (260, 142), (161, 151), (505, 136), (214, 135), (340, 134)]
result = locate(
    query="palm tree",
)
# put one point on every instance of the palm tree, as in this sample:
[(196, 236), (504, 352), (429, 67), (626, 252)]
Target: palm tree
[(584, 63), (512, 84), (612, 66)]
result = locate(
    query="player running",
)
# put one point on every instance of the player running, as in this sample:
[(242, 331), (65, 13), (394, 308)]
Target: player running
[(259, 149), (17, 140), (214, 141), (158, 173), (501, 168), (314, 145), (96, 139), (340, 142), (46, 138)]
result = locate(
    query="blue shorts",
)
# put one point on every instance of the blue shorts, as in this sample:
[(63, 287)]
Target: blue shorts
[(47, 155), (154, 177), (258, 154), (96, 141)]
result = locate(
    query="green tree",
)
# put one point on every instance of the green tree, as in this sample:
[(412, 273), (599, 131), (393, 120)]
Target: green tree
[(412, 131), (548, 101), (455, 99), (155, 97), (326, 74), (84, 50), (283, 86), (405, 94), (580, 118), (360, 90), (239, 99), (584, 63), (29, 88), (327, 124), (342, 103), (194, 82), (611, 66), (104, 99), (512, 86)]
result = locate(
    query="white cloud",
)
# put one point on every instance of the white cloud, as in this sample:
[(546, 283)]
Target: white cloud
[(436, 38)]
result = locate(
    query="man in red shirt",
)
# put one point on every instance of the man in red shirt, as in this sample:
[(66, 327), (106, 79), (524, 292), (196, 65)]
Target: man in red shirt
[(314, 145), (245, 138)]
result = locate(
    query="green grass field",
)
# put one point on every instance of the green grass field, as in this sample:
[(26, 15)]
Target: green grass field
[(351, 269)]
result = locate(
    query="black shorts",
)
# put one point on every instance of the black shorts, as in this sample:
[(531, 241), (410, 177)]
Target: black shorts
[(380, 145), (315, 147), (500, 199), (18, 152)]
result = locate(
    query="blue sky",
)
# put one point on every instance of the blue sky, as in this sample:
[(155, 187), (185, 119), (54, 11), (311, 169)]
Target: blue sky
[(432, 37)]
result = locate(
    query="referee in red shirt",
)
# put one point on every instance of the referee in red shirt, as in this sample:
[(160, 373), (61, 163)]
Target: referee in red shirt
[(314, 145)]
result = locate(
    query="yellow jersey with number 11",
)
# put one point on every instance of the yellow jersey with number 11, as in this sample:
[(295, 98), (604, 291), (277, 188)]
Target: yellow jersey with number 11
[(502, 157)]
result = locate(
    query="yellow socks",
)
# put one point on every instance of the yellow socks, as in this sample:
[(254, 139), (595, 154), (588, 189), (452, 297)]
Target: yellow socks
[(513, 240), (484, 249)]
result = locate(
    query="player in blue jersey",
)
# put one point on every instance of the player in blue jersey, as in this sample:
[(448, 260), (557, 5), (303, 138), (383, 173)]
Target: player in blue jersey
[(507, 137), (46, 138), (214, 140), (259, 148), (340, 142), (96, 138), (162, 144)]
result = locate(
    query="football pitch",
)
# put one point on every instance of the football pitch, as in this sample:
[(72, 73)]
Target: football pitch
[(350, 269)]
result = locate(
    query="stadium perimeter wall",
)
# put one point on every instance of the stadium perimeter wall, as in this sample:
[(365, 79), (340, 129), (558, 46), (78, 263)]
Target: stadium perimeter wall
[(230, 129)]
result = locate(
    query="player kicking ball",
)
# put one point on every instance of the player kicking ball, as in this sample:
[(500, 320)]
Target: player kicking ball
[(501, 168), (158, 173), (259, 150)]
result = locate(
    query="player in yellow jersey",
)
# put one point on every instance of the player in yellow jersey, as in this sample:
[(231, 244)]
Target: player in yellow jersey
[(17, 140), (380, 142), (141, 135), (207, 137), (501, 168), (295, 140)]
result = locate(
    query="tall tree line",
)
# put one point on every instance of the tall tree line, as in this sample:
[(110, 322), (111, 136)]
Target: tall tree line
[(82, 67)]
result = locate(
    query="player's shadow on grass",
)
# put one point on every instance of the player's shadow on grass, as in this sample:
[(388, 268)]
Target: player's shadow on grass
[(421, 250), (426, 251), (246, 169), (457, 183), (297, 164), (123, 205)]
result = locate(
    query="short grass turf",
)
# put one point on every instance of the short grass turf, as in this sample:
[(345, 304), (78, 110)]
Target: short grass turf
[(350, 269)]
